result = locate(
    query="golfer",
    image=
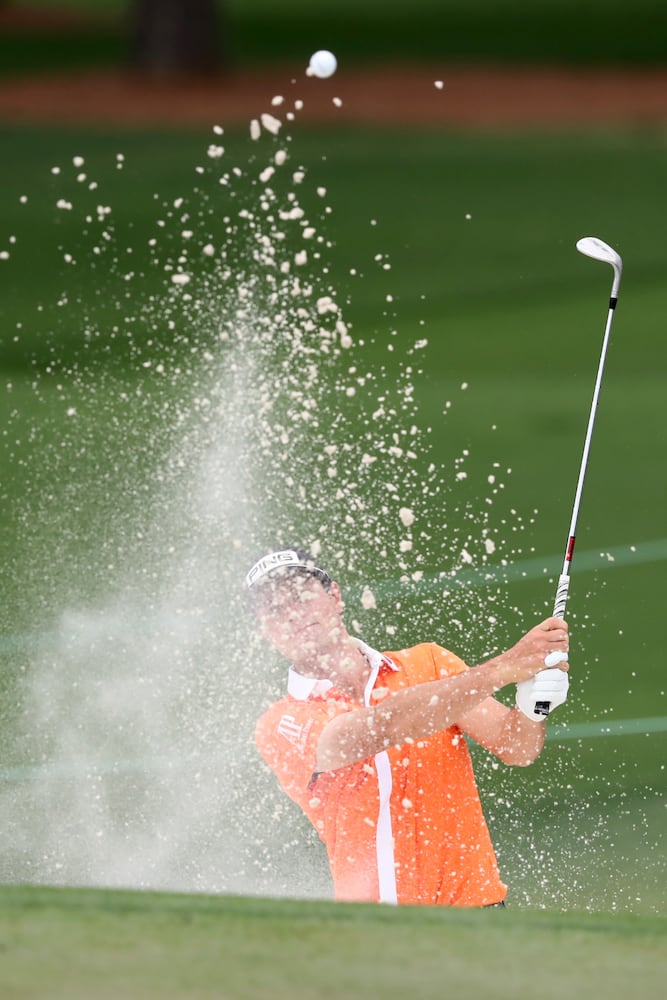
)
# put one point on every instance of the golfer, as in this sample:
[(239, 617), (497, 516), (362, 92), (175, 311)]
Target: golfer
[(371, 744)]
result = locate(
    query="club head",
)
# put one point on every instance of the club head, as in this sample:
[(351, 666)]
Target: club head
[(593, 247)]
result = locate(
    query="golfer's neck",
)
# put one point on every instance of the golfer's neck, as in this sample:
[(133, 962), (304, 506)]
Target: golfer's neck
[(350, 670), (344, 665)]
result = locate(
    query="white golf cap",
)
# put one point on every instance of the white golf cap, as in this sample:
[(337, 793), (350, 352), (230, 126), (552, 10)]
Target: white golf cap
[(281, 562)]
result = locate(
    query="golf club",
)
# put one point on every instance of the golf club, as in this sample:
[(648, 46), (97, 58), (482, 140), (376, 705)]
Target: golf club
[(591, 246)]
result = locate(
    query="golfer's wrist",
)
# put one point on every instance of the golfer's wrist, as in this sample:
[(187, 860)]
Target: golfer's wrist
[(497, 672)]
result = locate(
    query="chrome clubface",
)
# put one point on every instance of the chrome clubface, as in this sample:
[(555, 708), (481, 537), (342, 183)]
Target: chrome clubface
[(591, 246)]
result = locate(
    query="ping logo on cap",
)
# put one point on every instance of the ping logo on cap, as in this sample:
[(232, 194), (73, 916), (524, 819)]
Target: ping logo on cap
[(297, 559), (267, 564)]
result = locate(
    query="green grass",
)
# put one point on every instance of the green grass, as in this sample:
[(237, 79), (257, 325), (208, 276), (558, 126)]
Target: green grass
[(76, 944), (504, 300), (507, 305), (504, 31)]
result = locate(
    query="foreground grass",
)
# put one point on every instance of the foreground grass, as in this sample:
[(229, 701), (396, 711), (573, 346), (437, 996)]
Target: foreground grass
[(83, 943)]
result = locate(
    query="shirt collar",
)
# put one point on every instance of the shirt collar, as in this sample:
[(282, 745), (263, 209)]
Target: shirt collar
[(302, 688)]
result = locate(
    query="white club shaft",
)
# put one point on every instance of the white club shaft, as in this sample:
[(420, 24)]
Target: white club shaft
[(599, 251), (589, 437)]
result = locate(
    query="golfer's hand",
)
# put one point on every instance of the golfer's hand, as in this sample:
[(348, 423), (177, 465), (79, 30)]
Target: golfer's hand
[(549, 685), (526, 658)]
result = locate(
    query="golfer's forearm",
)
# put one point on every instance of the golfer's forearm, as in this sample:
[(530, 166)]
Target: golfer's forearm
[(413, 714), (421, 711), (520, 740)]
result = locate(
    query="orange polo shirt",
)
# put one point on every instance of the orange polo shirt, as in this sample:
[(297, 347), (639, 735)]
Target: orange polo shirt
[(404, 826)]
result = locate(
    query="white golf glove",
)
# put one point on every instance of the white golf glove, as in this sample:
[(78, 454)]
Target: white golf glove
[(549, 685)]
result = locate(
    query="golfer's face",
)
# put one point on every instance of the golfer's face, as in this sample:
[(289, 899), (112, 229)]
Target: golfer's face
[(298, 616)]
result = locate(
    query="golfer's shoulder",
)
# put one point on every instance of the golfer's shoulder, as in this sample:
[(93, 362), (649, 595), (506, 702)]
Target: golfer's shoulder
[(427, 661), (429, 656)]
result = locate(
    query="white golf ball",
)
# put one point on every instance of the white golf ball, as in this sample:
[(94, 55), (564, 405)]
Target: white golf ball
[(322, 64)]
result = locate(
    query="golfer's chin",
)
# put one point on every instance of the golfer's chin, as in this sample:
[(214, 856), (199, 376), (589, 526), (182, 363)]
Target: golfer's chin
[(310, 648), (311, 660), (303, 650)]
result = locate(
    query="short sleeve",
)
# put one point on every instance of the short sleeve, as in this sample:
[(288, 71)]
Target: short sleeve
[(445, 663), (287, 736)]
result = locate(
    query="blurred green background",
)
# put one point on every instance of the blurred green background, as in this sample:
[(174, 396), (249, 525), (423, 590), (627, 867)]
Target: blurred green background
[(479, 229), (595, 32)]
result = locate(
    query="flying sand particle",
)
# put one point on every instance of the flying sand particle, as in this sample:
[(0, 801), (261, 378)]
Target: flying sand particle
[(270, 123), (326, 304), (406, 516), (368, 601)]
